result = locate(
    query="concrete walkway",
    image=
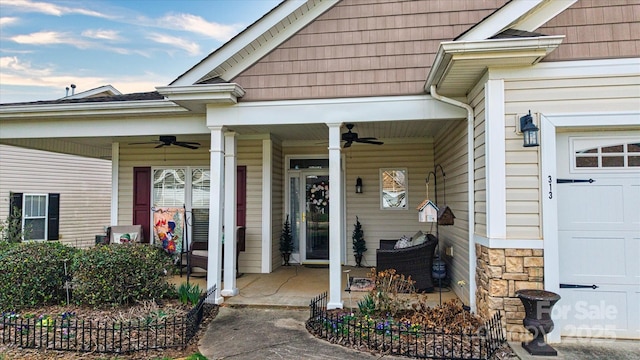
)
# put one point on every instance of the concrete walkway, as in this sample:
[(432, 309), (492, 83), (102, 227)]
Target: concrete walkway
[(587, 349), (249, 333)]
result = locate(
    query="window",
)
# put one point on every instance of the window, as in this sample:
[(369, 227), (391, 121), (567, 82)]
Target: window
[(39, 215), (189, 187), (393, 194), (606, 154)]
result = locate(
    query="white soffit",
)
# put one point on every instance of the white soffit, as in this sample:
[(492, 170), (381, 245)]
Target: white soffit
[(196, 97), (460, 64), (256, 41)]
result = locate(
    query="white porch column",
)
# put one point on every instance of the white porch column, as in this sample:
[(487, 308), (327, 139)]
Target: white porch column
[(495, 160), (336, 220), (267, 205), (115, 173), (230, 245), (216, 204)]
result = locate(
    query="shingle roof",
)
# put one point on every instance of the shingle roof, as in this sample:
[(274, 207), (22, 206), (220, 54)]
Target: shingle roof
[(514, 33), (144, 96)]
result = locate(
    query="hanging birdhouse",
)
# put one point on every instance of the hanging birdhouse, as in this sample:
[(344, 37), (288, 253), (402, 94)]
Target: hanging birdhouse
[(445, 216), (427, 211)]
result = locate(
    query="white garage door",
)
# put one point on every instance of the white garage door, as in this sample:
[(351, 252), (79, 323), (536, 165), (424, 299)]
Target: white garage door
[(599, 235)]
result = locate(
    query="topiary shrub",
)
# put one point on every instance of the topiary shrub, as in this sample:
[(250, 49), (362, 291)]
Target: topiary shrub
[(121, 274), (32, 274)]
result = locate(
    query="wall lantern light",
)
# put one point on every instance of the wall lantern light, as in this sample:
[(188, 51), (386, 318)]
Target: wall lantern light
[(529, 131), (358, 186)]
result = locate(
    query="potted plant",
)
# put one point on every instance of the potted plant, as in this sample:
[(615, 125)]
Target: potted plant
[(286, 242), (359, 245)]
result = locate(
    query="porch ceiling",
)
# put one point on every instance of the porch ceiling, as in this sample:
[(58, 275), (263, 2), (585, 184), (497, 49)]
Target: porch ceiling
[(100, 147), (320, 132)]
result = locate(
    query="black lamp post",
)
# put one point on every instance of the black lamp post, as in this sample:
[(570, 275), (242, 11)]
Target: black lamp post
[(529, 131)]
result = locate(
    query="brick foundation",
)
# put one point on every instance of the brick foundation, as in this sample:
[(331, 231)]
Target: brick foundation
[(499, 274)]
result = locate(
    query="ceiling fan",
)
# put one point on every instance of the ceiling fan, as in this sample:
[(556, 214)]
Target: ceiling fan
[(351, 137), (168, 140)]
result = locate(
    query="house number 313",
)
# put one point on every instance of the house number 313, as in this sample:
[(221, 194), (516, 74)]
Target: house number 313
[(550, 192)]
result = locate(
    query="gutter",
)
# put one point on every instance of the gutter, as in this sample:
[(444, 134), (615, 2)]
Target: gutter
[(470, 191)]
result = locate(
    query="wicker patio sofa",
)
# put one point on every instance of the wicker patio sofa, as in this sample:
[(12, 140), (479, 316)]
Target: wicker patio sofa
[(415, 261), (198, 251)]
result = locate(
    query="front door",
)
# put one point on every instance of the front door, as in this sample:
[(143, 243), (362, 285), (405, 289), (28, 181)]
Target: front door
[(309, 214), (599, 235), (316, 217)]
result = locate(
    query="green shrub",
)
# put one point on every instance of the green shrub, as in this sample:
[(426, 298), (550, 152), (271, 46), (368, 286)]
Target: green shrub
[(189, 294), (32, 274), (121, 274)]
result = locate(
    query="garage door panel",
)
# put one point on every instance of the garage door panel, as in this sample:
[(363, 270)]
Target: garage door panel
[(586, 255), (595, 313), (589, 206)]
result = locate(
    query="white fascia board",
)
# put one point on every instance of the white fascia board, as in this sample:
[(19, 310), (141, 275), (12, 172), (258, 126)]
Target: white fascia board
[(574, 68), (90, 109), (255, 31), (102, 89), (449, 51), (545, 12), (417, 107), (121, 126), (198, 92), (501, 19)]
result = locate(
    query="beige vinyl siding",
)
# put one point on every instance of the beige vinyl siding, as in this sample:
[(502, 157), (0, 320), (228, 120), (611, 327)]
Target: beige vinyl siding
[(84, 185), (477, 102), (362, 48), (250, 155), (551, 96), (278, 198), (451, 154), (365, 161)]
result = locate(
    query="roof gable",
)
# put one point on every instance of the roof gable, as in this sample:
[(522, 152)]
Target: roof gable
[(256, 41), (362, 48)]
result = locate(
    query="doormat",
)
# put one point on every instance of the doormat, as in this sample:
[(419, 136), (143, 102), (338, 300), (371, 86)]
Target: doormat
[(317, 266), (361, 284)]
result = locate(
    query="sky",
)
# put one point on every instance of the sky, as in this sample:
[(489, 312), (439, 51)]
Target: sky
[(133, 45)]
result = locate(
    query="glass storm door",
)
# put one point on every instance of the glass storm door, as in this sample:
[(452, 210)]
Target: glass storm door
[(316, 224)]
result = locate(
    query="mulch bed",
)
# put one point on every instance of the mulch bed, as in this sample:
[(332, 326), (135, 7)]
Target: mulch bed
[(172, 307), (385, 336)]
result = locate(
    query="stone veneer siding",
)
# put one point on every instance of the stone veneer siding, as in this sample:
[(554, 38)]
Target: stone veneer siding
[(499, 274)]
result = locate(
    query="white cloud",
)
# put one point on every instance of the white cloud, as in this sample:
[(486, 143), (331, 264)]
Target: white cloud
[(6, 21), (102, 34), (13, 65), (198, 25), (14, 72), (50, 38), (189, 46), (49, 8)]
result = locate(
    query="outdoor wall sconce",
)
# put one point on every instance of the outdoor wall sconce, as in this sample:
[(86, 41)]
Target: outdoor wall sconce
[(529, 131), (358, 186)]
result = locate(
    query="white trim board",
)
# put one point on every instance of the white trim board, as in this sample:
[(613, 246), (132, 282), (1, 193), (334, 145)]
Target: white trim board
[(416, 107), (493, 243), (569, 69)]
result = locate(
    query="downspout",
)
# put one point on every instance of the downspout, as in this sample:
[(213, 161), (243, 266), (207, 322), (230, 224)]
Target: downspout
[(470, 190)]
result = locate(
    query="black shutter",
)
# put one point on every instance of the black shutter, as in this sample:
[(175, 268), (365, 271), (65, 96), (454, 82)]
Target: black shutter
[(53, 217), (15, 202)]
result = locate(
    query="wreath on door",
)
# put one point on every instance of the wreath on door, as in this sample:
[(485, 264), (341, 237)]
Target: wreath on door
[(319, 196)]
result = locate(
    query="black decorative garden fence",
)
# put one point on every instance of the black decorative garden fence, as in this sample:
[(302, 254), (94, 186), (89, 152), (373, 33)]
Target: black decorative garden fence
[(402, 339), (67, 333)]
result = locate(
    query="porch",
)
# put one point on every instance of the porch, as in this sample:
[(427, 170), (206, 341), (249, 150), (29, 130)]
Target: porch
[(294, 287)]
